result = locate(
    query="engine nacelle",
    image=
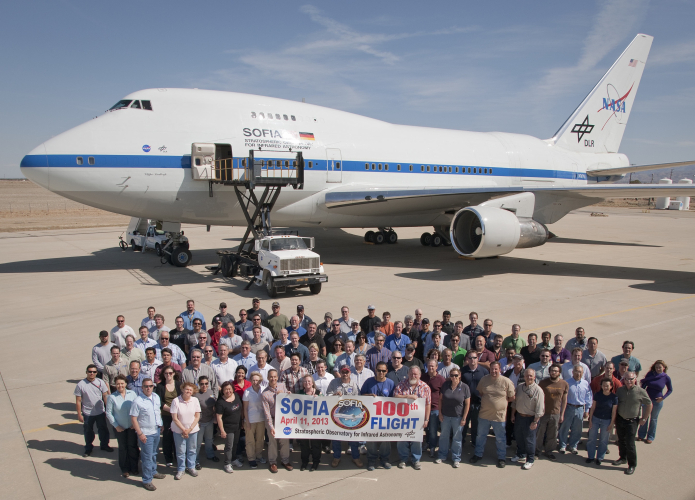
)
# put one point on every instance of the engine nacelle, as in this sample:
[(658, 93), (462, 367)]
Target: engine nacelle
[(489, 231)]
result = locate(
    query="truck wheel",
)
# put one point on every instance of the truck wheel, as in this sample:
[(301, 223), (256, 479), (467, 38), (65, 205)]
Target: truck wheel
[(315, 289), (379, 238), (425, 239), (181, 257), (270, 287), (158, 250), (135, 247)]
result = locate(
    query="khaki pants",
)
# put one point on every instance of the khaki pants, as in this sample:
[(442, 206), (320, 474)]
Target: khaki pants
[(546, 438), (255, 434), (275, 445)]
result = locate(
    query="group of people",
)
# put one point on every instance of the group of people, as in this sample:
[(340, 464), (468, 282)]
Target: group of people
[(187, 384)]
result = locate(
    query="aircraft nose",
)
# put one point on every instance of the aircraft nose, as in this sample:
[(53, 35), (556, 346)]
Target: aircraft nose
[(35, 166)]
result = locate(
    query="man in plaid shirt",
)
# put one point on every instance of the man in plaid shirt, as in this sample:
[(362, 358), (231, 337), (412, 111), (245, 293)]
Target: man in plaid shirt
[(275, 445), (292, 377), (413, 388)]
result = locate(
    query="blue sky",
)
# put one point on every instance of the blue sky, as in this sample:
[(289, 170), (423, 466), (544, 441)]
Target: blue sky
[(507, 66)]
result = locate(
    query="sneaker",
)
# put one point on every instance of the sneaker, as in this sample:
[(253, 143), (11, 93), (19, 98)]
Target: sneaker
[(192, 472), (501, 464), (262, 460), (371, 467), (527, 465), (517, 458), (573, 451), (87, 454), (456, 465), (416, 465), (237, 463), (170, 464), (620, 461), (474, 459), (335, 462), (314, 467), (432, 452), (562, 450), (401, 465), (253, 464), (178, 475), (149, 486), (438, 461), (198, 466), (597, 462), (159, 475), (386, 465), (363, 450), (228, 469)]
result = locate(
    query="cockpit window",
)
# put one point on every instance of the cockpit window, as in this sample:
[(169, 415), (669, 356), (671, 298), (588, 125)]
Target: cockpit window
[(287, 244), (147, 105), (135, 105), (124, 103)]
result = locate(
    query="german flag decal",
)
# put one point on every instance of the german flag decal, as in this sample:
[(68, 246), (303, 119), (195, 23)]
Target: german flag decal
[(307, 136)]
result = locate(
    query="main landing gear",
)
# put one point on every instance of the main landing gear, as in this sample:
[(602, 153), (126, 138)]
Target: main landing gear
[(436, 239), (383, 235)]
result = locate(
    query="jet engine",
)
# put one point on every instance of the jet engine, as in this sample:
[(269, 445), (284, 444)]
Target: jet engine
[(484, 231)]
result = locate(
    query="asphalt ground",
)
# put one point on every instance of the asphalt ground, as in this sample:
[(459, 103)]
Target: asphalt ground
[(630, 275)]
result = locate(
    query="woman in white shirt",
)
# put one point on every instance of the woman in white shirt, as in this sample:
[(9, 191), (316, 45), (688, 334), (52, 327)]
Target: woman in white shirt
[(185, 413)]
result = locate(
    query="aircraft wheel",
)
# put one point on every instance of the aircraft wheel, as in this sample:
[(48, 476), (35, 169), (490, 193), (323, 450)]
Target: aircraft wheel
[(379, 238), (315, 289), (436, 240), (369, 236), (391, 237), (181, 257), (426, 239)]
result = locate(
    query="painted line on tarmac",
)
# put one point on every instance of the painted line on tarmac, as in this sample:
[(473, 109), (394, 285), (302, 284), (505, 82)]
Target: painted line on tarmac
[(611, 313)]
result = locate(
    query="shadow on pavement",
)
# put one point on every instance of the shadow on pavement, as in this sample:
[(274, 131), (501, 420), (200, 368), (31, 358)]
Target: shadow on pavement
[(62, 406), (87, 469), (57, 446)]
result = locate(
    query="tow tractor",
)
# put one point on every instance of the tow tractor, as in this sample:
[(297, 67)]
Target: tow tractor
[(277, 259)]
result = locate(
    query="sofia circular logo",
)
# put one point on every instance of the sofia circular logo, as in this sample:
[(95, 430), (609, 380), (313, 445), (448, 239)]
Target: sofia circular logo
[(146, 148), (350, 414)]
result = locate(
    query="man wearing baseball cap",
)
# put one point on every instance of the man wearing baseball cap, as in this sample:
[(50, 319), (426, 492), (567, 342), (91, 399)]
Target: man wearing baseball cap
[(367, 323), (304, 320), (277, 321), (224, 317)]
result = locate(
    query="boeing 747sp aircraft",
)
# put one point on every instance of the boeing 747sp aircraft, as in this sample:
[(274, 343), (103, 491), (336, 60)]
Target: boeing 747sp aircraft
[(160, 154)]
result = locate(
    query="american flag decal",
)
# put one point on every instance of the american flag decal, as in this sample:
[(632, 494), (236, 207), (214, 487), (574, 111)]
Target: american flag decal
[(633, 63)]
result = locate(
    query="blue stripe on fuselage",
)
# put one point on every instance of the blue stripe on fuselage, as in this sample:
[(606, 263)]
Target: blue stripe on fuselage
[(164, 161)]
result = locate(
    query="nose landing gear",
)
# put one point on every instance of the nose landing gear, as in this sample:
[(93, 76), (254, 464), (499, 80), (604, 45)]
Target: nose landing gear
[(383, 235)]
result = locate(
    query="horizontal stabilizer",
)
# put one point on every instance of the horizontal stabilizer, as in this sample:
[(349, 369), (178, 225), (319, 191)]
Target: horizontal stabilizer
[(637, 168)]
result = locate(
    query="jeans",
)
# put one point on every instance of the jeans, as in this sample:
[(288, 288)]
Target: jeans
[(230, 445), (500, 438), (127, 450), (167, 439), (88, 426), (408, 448), (626, 439), (574, 418), (337, 447), (205, 433), (451, 425), (472, 421), (598, 432), (185, 450), (432, 428), (380, 450), (148, 454), (546, 435), (525, 437), (648, 430)]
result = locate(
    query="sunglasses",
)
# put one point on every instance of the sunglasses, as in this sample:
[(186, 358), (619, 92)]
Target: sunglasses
[(147, 386), (382, 371), (454, 375), (91, 371)]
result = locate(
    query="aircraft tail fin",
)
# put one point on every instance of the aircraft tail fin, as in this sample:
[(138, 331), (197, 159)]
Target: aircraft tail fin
[(598, 123)]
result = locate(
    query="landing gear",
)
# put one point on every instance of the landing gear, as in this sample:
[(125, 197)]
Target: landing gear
[(436, 239), (383, 235), (176, 251), (426, 239)]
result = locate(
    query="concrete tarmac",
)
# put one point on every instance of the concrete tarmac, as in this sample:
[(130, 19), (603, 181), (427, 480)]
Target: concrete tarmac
[(630, 275)]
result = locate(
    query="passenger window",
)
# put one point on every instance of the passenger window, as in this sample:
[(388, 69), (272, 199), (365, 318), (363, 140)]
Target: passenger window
[(411, 168), (440, 169), (457, 170), (490, 170), (469, 170), (449, 169), (284, 117), (428, 168), (265, 245), (366, 166), (486, 170), (90, 160), (293, 118), (309, 164), (337, 165), (262, 115), (386, 167), (253, 114), (422, 168), (243, 161), (135, 105), (147, 105), (287, 164), (398, 167), (373, 166), (379, 166), (277, 116), (294, 163), (79, 160)]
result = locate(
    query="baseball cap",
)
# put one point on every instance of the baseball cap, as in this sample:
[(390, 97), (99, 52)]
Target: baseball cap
[(223, 304), (345, 368), (370, 308), (517, 356), (300, 307), (276, 304), (410, 347), (425, 320), (255, 299), (216, 319)]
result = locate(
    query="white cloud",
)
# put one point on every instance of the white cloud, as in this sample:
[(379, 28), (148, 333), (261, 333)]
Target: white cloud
[(672, 54)]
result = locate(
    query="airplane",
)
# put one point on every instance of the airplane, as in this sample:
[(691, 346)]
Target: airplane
[(484, 193)]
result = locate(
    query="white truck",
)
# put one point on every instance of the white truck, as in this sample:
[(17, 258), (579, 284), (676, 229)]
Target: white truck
[(279, 262), (165, 238)]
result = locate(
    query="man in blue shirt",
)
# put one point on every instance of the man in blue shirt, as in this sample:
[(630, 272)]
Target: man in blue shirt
[(146, 417), (579, 400), (471, 375), (135, 378), (634, 364), (378, 386), (190, 314), (397, 341), (243, 324), (295, 327), (378, 352)]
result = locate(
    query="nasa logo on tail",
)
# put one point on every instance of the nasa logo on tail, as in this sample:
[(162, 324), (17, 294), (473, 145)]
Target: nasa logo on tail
[(615, 103)]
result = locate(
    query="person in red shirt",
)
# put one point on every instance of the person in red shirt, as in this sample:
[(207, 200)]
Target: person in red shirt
[(607, 374), (216, 333), (435, 383)]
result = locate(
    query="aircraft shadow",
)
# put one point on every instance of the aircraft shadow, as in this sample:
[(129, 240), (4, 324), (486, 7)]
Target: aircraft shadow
[(596, 242), (338, 247)]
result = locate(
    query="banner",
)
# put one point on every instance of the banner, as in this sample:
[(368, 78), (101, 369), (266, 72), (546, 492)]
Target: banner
[(349, 418)]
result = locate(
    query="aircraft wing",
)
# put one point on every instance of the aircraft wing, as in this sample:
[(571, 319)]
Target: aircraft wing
[(365, 200), (637, 168)]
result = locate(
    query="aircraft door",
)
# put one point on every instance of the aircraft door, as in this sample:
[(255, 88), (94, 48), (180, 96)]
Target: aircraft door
[(334, 173)]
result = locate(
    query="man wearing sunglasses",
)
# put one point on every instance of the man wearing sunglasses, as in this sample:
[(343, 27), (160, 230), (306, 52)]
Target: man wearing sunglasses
[(90, 403), (146, 417), (378, 386)]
